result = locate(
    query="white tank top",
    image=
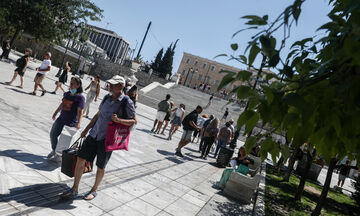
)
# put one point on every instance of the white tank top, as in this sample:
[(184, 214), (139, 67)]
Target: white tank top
[(179, 111)]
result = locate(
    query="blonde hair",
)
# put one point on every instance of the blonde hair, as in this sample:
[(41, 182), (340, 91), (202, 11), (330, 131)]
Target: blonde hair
[(214, 123)]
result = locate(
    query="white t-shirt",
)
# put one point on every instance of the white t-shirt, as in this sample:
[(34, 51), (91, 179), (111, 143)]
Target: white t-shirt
[(201, 121), (179, 111), (44, 65)]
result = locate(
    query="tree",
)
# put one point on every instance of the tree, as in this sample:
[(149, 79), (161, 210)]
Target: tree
[(165, 67), (47, 20), (155, 65), (315, 96)]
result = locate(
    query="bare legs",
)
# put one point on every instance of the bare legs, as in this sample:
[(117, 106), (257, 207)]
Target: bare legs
[(13, 79), (79, 168), (155, 122), (165, 126), (59, 85)]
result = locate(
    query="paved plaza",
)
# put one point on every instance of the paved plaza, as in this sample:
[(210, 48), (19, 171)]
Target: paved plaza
[(146, 180)]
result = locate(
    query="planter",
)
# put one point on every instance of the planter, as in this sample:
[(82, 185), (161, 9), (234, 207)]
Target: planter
[(314, 171)]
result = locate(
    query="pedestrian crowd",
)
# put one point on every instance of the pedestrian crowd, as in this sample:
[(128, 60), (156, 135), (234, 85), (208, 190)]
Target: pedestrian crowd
[(116, 108), (204, 129)]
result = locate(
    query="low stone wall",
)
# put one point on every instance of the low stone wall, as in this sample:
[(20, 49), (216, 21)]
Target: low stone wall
[(107, 69), (145, 79), (39, 49)]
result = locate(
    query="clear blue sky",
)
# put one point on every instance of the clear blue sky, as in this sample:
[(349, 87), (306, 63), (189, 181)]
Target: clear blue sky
[(204, 27)]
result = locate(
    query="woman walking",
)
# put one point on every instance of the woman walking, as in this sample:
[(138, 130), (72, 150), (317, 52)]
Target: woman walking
[(63, 78), (21, 65), (178, 118), (210, 135), (167, 117), (71, 108), (92, 95)]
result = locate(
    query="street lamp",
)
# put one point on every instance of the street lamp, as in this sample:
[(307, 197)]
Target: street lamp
[(193, 75), (190, 70)]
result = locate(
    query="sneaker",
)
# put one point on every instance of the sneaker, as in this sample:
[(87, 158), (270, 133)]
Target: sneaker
[(51, 154), (43, 93), (205, 158), (32, 93), (54, 93), (152, 130)]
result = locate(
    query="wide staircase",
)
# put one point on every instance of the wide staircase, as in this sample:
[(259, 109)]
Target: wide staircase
[(191, 98)]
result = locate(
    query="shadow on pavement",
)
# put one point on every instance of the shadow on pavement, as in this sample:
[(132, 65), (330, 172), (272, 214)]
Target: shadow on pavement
[(33, 161), (143, 130), (39, 196), (19, 91)]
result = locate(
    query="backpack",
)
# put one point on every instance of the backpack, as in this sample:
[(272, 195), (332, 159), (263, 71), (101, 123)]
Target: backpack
[(21, 62)]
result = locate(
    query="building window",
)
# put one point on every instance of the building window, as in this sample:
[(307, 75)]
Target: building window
[(196, 62), (187, 61), (183, 73), (212, 68), (204, 66), (217, 82), (200, 77), (208, 79), (221, 69)]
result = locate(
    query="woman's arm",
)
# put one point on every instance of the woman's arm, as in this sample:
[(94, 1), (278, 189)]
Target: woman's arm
[(56, 111), (97, 91), (26, 64), (79, 114), (88, 86), (182, 116)]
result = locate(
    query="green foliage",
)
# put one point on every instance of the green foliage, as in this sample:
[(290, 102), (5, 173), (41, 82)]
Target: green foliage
[(315, 97), (48, 20), (356, 195), (165, 65), (155, 65)]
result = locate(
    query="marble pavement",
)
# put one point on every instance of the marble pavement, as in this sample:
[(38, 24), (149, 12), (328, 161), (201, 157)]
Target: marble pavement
[(146, 180)]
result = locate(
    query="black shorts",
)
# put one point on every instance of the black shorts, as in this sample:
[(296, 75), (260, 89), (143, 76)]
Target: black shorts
[(92, 148), (196, 133), (20, 71), (167, 117)]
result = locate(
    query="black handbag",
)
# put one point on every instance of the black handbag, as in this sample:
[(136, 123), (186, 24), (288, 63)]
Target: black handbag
[(69, 158)]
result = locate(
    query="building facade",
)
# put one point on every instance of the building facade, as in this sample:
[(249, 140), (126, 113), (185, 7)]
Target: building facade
[(194, 70), (116, 47)]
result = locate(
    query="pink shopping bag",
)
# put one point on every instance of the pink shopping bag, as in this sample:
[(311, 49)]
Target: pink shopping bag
[(117, 137)]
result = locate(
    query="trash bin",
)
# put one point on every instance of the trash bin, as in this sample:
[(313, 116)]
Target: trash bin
[(224, 156)]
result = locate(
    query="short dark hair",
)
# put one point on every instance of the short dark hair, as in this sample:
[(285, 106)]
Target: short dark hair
[(227, 124), (168, 96), (78, 81), (199, 107), (69, 64)]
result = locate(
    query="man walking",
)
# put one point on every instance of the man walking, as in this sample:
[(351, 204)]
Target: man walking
[(41, 74), (163, 108), (94, 144), (189, 125)]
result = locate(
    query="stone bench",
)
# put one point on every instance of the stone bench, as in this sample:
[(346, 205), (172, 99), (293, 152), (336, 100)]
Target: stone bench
[(242, 187)]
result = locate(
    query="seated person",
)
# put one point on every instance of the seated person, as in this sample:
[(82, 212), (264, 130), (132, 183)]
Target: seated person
[(255, 151), (242, 158)]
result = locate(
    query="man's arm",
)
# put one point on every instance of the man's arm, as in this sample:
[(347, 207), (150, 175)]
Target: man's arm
[(192, 124), (91, 124), (46, 69)]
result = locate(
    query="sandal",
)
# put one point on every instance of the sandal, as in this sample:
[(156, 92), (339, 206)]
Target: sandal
[(87, 196), (69, 194)]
